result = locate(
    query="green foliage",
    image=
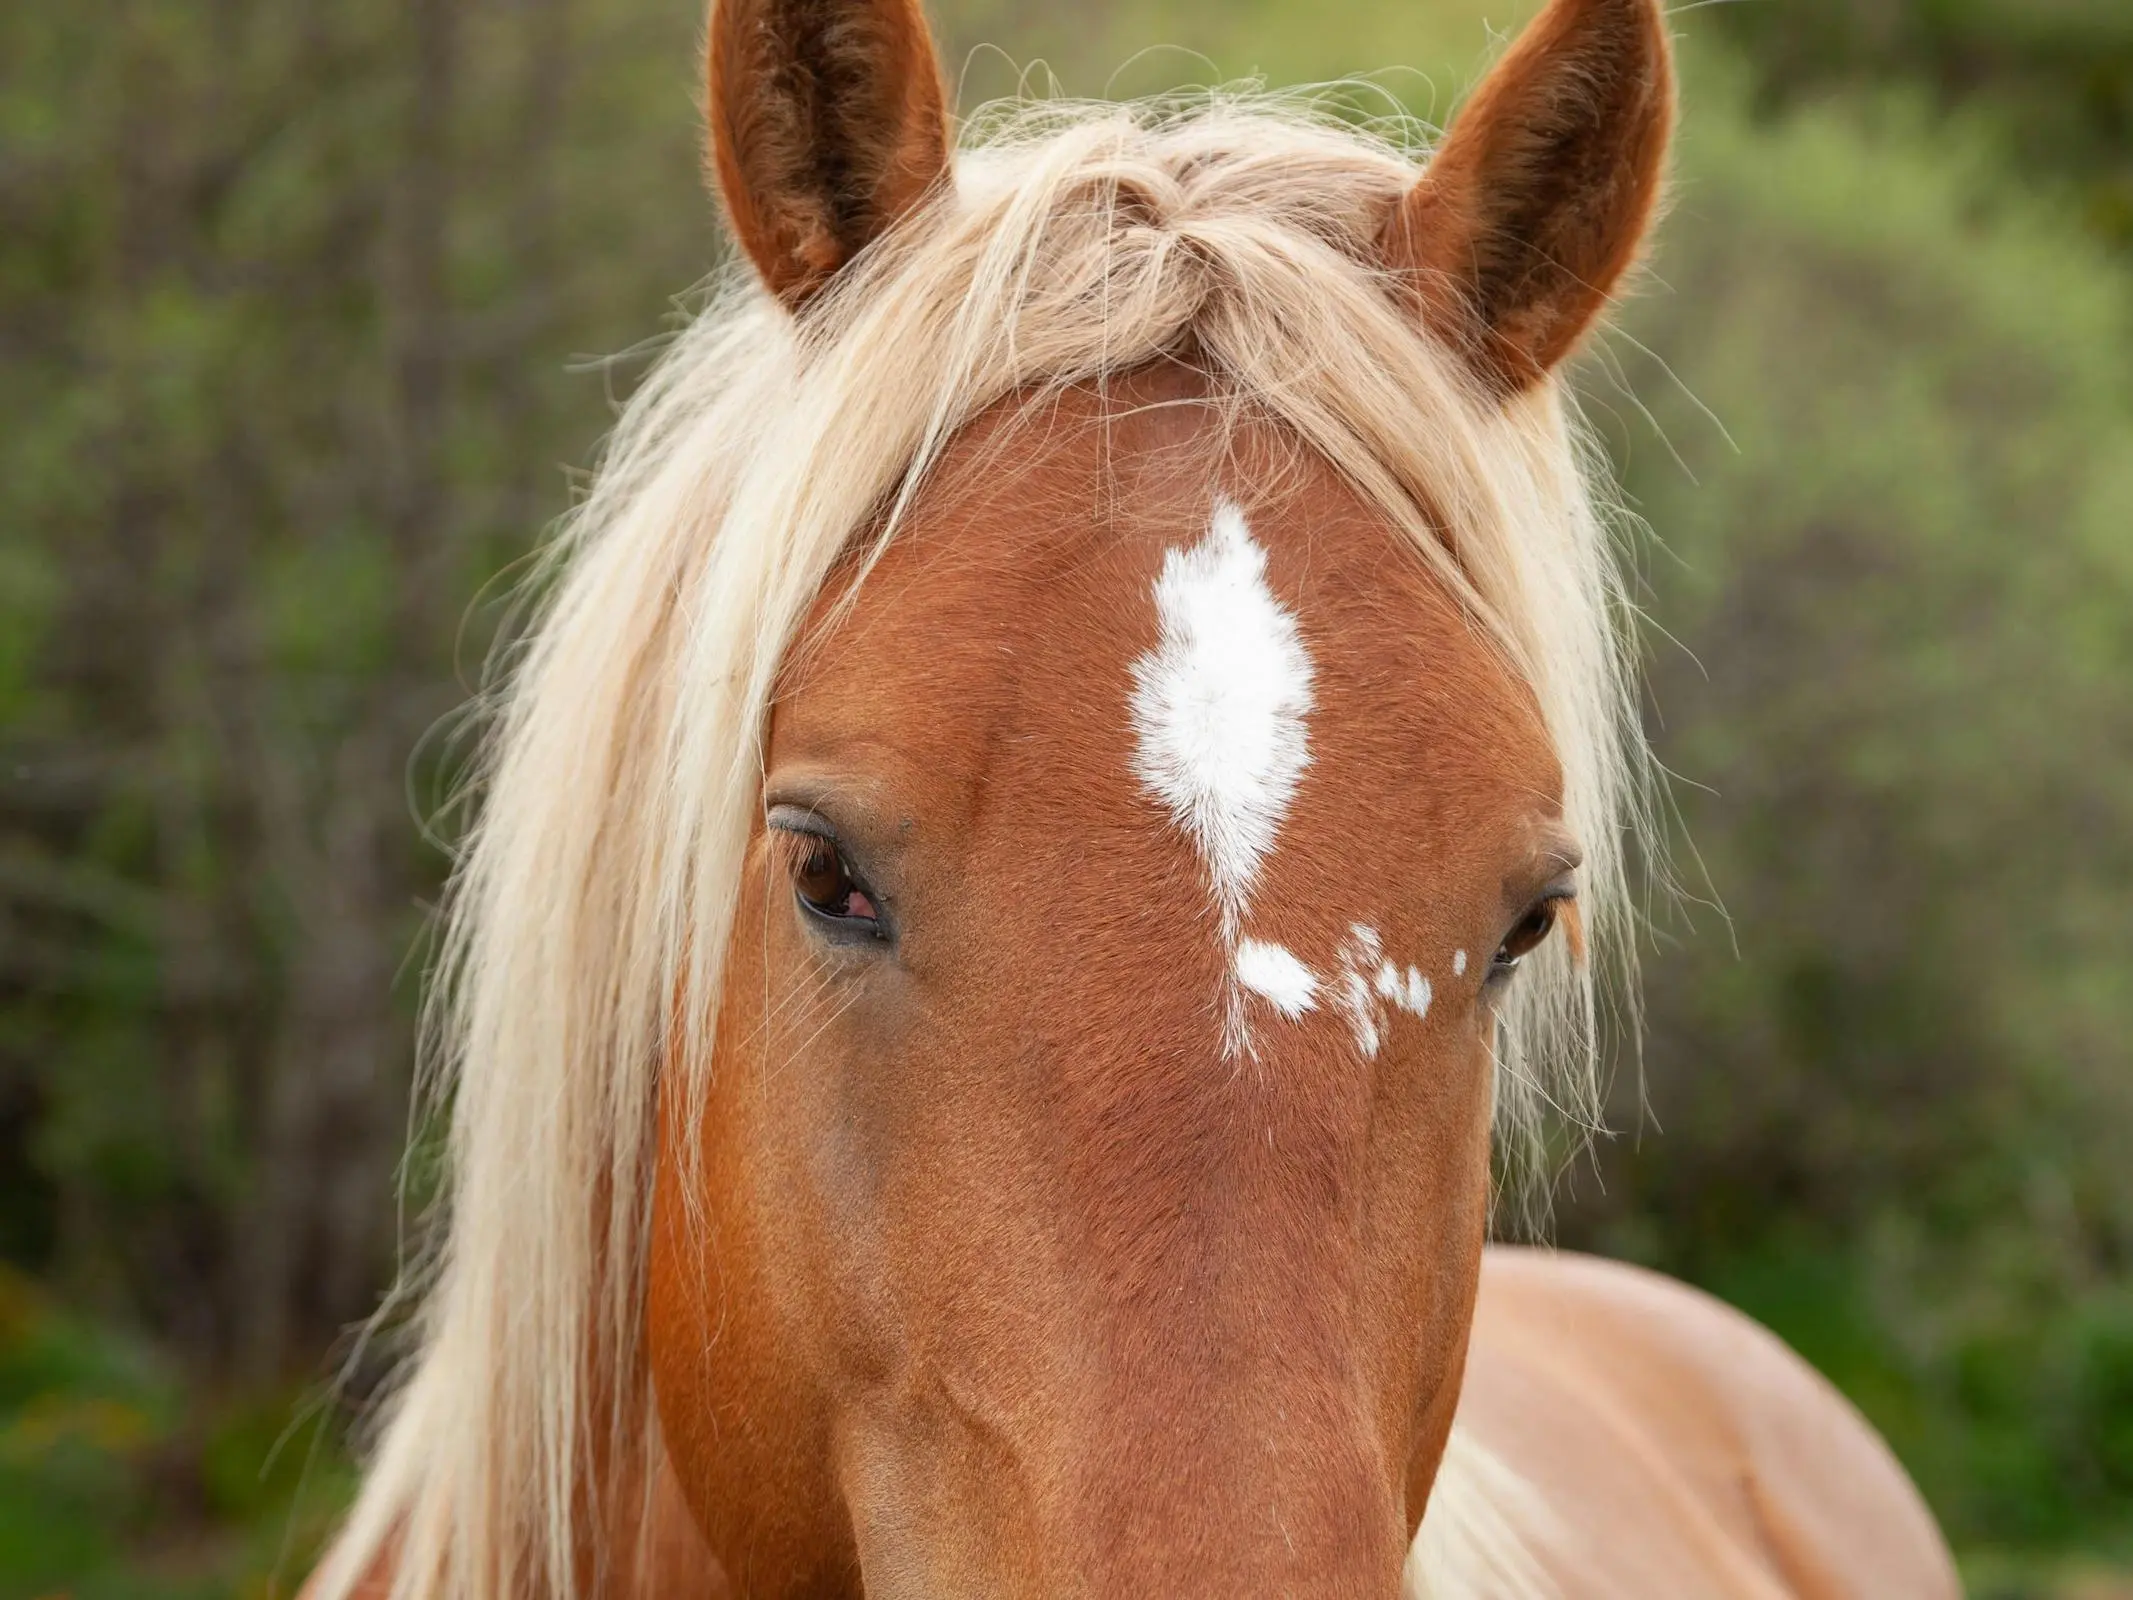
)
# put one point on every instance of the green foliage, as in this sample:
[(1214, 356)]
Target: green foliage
[(2053, 79), (284, 379)]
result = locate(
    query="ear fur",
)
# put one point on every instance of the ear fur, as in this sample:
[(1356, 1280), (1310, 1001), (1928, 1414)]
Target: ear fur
[(827, 124), (1534, 205)]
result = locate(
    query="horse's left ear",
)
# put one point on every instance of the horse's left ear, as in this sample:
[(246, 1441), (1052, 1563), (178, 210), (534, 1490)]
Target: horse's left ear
[(1534, 205), (827, 124)]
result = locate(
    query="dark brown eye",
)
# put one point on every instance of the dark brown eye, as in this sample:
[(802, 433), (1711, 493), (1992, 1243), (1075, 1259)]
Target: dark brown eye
[(1526, 935), (825, 884)]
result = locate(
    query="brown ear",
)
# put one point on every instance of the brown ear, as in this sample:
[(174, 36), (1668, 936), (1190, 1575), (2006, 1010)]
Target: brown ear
[(827, 125), (1533, 206)]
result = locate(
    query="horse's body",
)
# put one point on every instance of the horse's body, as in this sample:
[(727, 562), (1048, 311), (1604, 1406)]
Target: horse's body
[(1019, 879), (1680, 1448)]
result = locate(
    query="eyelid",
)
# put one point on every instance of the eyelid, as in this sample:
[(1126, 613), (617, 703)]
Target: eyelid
[(1521, 899), (799, 819)]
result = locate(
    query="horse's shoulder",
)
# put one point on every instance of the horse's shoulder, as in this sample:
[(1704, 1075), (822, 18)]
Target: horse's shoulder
[(1647, 1409)]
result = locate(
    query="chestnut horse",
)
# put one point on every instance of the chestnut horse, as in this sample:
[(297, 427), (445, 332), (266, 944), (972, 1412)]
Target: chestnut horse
[(1072, 769)]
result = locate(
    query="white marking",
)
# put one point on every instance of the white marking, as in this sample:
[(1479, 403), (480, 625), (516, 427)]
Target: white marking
[(1358, 953), (1271, 971), (1370, 987), (1458, 963), (1219, 705), (1218, 712)]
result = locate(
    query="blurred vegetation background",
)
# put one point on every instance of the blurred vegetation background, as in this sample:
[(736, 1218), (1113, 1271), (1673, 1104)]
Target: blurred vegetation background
[(295, 301)]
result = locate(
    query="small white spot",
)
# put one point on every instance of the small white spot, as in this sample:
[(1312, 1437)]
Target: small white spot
[(1271, 971), (1370, 987), (1358, 954), (1458, 963)]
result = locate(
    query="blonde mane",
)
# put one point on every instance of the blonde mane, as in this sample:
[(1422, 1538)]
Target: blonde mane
[(623, 761)]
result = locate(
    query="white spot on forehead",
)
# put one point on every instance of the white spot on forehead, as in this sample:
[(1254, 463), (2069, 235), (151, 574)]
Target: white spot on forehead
[(1271, 971), (1218, 711), (1219, 704), (1458, 963)]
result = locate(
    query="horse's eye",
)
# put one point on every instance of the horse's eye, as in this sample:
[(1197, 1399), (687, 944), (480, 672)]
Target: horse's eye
[(825, 884), (1525, 937)]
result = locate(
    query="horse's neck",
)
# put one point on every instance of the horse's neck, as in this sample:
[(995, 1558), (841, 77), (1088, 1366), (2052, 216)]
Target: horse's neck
[(654, 1550), (636, 1537)]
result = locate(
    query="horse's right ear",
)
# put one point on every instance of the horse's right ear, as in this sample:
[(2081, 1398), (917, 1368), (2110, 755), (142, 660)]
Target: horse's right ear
[(1535, 204), (827, 124)]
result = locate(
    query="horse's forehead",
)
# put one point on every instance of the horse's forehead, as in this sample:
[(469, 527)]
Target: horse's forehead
[(1073, 571), (1169, 683)]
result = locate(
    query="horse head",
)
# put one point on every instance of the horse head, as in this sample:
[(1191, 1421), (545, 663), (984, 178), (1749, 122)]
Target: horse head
[(1088, 1187)]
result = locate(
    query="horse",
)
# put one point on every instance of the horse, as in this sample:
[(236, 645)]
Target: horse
[(1046, 857)]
